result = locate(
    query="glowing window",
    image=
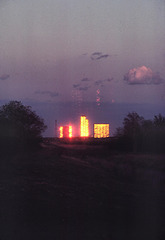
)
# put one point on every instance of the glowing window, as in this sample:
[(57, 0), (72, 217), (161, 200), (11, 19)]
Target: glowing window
[(101, 130)]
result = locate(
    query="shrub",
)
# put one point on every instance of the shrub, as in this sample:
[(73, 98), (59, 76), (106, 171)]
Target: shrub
[(19, 125)]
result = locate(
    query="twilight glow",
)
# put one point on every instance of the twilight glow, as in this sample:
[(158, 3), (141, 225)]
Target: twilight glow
[(60, 51)]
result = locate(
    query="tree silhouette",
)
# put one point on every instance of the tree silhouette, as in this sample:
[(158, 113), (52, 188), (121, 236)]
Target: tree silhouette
[(138, 134), (129, 136), (159, 121), (132, 124), (20, 124)]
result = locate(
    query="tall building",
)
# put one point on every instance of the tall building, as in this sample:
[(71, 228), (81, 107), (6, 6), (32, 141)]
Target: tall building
[(101, 130), (84, 127), (66, 132)]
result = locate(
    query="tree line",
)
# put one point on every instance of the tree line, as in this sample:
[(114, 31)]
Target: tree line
[(20, 127), (141, 135)]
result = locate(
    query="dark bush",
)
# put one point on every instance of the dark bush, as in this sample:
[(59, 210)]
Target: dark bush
[(19, 126)]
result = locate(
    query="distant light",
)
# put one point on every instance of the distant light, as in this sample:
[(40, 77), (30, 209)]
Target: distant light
[(70, 131), (101, 130), (84, 126), (66, 132), (98, 98), (61, 132)]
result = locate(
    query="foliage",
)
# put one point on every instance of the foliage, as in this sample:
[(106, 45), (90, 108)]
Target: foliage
[(140, 135), (132, 123), (19, 124), (159, 121)]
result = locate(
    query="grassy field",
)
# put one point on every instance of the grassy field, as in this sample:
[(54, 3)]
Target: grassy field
[(65, 191)]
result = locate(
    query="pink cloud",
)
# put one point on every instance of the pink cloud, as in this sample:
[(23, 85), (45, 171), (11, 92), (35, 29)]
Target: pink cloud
[(142, 75)]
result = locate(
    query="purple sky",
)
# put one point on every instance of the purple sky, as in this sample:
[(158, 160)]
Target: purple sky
[(79, 51)]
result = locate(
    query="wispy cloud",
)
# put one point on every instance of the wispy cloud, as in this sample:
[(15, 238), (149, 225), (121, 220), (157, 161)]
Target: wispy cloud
[(84, 88), (85, 80), (108, 79), (49, 93), (76, 85), (100, 82), (103, 56), (4, 76), (83, 84), (99, 55), (96, 53), (142, 75)]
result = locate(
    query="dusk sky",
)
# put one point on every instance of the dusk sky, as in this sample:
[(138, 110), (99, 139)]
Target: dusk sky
[(82, 51)]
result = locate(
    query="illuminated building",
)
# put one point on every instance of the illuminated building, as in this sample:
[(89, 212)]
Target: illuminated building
[(66, 132), (101, 130), (84, 126)]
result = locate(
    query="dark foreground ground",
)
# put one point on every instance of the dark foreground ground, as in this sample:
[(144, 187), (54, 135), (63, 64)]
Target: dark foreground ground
[(81, 192)]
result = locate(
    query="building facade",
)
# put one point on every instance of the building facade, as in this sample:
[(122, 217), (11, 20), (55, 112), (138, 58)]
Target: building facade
[(101, 130)]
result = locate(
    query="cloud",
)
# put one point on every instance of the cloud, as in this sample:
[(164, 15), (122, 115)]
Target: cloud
[(100, 82), (108, 79), (142, 75), (102, 56), (4, 76), (76, 85), (85, 80), (51, 94), (96, 53), (99, 55), (84, 88), (81, 86)]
